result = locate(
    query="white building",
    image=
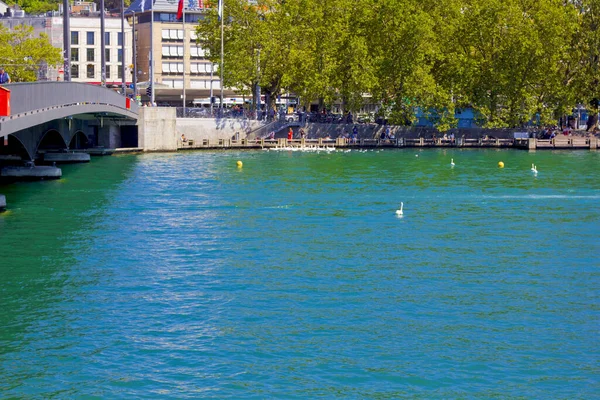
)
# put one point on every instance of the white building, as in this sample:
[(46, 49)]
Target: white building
[(85, 47), (85, 50), (3, 8)]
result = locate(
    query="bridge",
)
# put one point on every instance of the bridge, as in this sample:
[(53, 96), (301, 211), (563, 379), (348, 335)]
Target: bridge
[(65, 115)]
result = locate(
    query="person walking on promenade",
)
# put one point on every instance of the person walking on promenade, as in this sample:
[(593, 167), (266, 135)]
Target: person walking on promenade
[(4, 77), (290, 134)]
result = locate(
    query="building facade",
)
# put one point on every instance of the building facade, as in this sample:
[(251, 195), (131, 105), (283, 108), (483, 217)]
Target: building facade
[(178, 61), (86, 51), (85, 47)]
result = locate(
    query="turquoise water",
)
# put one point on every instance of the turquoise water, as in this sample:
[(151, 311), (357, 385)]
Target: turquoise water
[(181, 276)]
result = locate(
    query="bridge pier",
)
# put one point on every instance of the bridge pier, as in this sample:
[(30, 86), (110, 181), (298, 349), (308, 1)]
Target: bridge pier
[(66, 158), (30, 172)]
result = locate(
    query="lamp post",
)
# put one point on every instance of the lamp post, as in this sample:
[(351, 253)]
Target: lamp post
[(123, 85), (102, 46), (66, 41)]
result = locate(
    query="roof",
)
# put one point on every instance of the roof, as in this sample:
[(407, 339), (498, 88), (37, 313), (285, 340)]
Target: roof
[(139, 6)]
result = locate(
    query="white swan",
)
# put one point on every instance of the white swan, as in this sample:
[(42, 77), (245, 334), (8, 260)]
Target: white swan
[(452, 162), (535, 171), (532, 168), (399, 212)]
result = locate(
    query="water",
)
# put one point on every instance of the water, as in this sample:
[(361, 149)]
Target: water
[(181, 276)]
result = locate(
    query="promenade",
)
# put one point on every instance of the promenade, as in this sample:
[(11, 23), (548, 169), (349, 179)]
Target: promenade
[(561, 142)]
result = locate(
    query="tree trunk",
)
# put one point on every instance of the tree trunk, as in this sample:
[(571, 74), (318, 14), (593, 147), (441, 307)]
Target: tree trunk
[(592, 121)]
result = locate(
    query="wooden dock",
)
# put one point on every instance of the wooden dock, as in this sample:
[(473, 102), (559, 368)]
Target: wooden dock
[(583, 143)]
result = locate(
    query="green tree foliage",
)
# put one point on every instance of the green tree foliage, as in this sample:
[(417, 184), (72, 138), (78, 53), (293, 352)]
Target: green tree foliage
[(22, 53), (511, 60)]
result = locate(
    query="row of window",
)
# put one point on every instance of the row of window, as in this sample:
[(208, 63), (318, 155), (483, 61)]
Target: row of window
[(91, 55), (194, 84), (170, 17), (177, 34), (91, 38), (177, 68), (177, 51), (90, 71)]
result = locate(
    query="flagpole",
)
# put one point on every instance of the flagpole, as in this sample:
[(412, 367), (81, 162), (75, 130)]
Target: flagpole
[(152, 52), (123, 80), (222, 42), (102, 46), (184, 42)]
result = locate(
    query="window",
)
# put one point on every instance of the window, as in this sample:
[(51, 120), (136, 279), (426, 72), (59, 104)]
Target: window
[(108, 72), (90, 38), (107, 55), (74, 71), (119, 72), (166, 17), (193, 18), (119, 39), (74, 37), (177, 84), (90, 55), (204, 84), (119, 55), (172, 51), (91, 73), (172, 68), (196, 52), (74, 54), (107, 38), (172, 34)]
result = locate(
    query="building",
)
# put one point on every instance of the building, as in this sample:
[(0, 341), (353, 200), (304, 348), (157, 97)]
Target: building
[(86, 52), (3, 8), (85, 47), (178, 61)]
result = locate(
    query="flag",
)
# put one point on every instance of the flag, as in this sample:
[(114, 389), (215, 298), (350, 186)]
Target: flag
[(180, 10), (220, 9), (200, 3)]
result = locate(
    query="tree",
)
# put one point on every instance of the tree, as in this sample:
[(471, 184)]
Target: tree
[(23, 54)]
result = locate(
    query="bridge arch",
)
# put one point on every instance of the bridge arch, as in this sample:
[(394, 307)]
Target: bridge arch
[(51, 140), (15, 147), (79, 141)]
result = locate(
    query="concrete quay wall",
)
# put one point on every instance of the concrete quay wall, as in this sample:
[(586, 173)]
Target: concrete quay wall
[(156, 129), (213, 129), (160, 130)]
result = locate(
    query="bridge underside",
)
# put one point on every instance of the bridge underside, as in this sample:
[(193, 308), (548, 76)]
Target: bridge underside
[(78, 131)]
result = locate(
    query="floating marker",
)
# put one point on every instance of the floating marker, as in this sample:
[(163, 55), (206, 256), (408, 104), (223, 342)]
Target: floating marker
[(500, 164), (240, 164)]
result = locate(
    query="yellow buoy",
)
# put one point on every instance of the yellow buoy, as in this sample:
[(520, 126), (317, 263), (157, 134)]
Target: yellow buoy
[(239, 164), (500, 164)]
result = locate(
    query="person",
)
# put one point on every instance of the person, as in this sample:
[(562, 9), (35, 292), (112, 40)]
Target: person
[(272, 135), (290, 134), (354, 134), (302, 134), (4, 77), (183, 138)]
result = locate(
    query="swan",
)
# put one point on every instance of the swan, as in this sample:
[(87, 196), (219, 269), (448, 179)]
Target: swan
[(452, 162), (532, 168), (535, 171), (399, 212)]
